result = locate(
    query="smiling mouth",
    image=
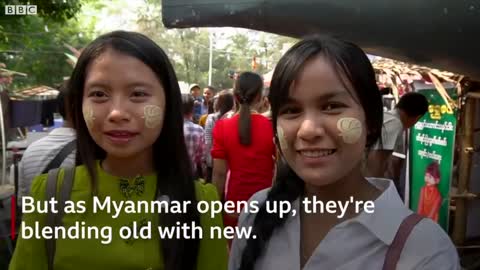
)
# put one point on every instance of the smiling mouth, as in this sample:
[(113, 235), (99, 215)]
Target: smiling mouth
[(120, 136), (317, 153), (120, 133)]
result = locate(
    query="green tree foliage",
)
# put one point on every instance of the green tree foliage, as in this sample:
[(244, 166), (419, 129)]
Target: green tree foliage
[(34, 44), (189, 49), (51, 11)]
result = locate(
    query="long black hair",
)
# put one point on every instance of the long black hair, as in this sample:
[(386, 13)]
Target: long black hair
[(355, 69), (171, 161), (225, 102), (247, 88)]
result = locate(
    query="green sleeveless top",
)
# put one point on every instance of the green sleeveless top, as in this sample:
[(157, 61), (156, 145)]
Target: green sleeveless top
[(119, 254)]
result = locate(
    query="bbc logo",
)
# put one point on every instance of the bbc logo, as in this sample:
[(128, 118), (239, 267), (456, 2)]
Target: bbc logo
[(20, 9)]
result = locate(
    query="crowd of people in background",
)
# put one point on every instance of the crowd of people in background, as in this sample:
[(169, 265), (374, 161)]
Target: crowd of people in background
[(203, 108), (137, 138), (226, 132)]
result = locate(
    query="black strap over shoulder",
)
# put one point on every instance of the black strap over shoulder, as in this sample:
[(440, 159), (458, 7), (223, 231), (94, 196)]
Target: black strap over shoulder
[(395, 250), (60, 157), (55, 219)]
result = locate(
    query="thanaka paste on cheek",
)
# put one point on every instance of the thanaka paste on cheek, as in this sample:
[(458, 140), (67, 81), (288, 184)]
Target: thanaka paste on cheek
[(89, 116), (282, 139), (152, 115), (350, 129)]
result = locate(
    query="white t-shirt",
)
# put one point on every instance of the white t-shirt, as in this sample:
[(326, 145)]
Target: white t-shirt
[(40, 153), (392, 131), (359, 243)]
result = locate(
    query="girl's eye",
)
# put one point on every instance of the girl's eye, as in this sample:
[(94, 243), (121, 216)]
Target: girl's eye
[(333, 106), (97, 94), (139, 94)]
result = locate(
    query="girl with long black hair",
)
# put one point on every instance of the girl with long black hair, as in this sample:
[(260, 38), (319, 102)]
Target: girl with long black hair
[(327, 113), (125, 102), (243, 146)]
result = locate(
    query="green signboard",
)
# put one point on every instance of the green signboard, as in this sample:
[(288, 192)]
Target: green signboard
[(431, 158)]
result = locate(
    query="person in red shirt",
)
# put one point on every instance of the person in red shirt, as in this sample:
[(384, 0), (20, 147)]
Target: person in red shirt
[(244, 145), (430, 198)]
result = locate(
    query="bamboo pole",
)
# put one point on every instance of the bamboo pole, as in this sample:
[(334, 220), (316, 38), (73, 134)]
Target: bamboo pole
[(474, 95), (466, 143), (13, 72), (442, 91)]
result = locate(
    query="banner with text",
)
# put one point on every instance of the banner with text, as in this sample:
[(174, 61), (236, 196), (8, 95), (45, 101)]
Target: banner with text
[(431, 158)]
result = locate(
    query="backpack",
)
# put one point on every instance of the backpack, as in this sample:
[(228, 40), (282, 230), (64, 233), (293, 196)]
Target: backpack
[(61, 156)]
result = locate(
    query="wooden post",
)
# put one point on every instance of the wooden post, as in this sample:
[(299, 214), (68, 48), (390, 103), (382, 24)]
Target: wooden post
[(467, 144)]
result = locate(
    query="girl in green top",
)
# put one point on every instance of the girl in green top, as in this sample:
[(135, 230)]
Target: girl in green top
[(125, 105)]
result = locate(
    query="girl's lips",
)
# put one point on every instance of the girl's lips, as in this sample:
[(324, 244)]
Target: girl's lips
[(316, 158), (315, 153), (120, 137)]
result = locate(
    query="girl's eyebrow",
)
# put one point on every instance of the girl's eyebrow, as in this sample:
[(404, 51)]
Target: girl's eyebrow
[(129, 85), (324, 96), (139, 84), (95, 85)]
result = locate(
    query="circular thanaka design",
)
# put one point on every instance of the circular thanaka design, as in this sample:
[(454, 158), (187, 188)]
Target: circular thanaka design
[(282, 139), (152, 115), (89, 116), (350, 129)]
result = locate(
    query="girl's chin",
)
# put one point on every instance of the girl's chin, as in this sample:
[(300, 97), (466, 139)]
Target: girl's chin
[(119, 154), (318, 181)]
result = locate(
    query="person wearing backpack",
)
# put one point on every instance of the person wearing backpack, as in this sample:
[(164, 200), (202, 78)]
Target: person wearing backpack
[(125, 108), (55, 150)]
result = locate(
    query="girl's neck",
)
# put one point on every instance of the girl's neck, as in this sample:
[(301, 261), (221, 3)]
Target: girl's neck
[(141, 164), (251, 112), (354, 185)]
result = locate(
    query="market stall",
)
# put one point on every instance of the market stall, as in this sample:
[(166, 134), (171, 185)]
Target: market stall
[(447, 135), (6, 78)]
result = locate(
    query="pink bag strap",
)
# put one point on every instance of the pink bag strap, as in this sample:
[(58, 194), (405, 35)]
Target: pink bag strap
[(395, 249)]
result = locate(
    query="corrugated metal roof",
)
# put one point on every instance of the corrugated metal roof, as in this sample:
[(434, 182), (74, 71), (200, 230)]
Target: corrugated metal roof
[(41, 92)]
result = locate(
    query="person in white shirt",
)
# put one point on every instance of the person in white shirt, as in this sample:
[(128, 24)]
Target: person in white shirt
[(40, 154), (327, 113), (223, 104), (388, 156)]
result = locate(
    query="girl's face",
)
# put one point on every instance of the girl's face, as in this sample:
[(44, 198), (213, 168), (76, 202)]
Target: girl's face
[(123, 104), (207, 94), (429, 179), (321, 128)]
